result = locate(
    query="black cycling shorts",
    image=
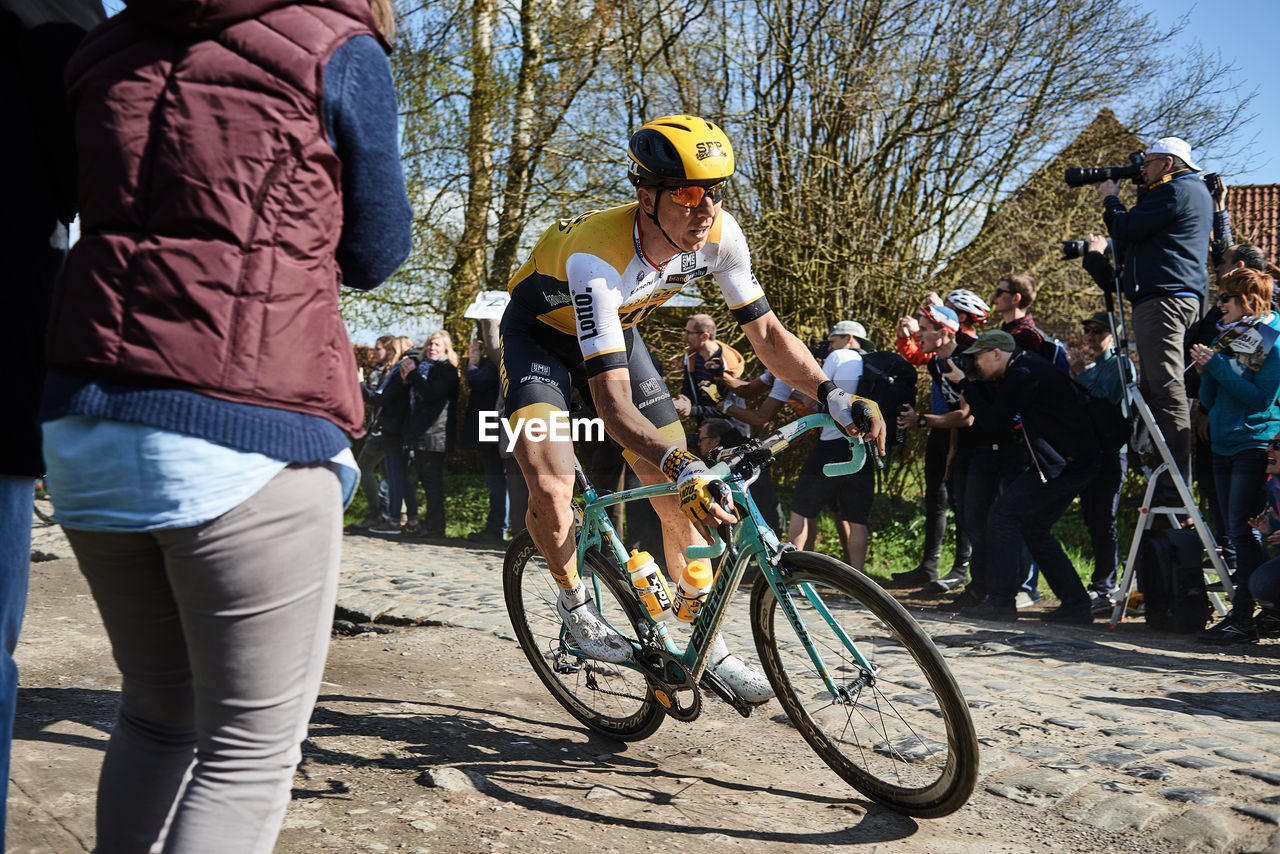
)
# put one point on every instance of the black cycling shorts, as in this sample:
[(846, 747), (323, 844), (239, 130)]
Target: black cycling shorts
[(541, 367), (848, 495)]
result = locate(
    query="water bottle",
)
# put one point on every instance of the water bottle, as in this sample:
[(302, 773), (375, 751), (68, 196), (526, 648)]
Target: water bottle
[(650, 586), (692, 590)]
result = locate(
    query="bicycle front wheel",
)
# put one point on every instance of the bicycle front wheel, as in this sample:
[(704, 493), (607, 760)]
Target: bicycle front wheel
[(613, 699), (899, 732)]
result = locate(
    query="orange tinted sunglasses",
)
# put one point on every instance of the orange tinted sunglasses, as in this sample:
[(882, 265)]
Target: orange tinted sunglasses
[(691, 195)]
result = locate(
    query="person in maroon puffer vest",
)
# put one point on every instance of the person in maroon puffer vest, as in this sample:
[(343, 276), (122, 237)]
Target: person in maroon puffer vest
[(238, 162)]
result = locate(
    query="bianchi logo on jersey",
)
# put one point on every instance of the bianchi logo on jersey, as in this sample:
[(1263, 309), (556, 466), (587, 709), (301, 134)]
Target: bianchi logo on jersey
[(685, 278), (650, 386), (538, 368), (688, 261)]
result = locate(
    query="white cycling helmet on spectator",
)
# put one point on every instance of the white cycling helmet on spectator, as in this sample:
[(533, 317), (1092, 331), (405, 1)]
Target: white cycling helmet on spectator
[(965, 300)]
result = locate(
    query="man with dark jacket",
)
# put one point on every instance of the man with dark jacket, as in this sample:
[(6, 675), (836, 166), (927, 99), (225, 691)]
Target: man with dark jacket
[(429, 432), (1036, 401), (36, 161), (1164, 241)]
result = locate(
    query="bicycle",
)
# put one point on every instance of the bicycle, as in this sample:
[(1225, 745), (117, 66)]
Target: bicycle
[(857, 676)]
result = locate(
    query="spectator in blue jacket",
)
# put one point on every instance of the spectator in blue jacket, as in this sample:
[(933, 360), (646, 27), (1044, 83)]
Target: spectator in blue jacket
[(1239, 381), (1164, 240)]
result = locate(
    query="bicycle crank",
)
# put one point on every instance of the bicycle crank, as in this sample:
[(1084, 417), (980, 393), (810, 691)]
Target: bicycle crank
[(672, 684)]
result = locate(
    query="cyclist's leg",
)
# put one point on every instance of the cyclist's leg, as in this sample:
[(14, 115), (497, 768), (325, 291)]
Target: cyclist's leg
[(536, 385), (652, 397)]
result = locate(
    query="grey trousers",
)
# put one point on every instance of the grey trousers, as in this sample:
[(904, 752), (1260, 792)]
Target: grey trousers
[(1159, 329), (220, 632)]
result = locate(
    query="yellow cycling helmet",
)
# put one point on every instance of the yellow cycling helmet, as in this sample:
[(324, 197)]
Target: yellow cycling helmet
[(678, 148)]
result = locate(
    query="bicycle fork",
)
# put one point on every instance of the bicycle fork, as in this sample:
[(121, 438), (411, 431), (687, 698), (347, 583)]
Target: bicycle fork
[(843, 694)]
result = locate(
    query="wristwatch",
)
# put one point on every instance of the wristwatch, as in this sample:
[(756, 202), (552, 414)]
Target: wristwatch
[(921, 421)]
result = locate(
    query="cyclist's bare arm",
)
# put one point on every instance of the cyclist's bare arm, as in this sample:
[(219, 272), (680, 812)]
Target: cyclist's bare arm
[(787, 358), (611, 392)]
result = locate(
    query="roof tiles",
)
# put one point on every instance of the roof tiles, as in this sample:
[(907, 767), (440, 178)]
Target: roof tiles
[(1255, 216)]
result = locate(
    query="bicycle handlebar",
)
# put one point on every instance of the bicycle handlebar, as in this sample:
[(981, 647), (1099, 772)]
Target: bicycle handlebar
[(779, 439)]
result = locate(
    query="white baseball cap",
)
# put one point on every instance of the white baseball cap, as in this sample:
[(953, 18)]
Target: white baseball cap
[(1177, 147), (854, 328)]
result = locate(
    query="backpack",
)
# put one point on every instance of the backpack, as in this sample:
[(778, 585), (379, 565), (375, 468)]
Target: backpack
[(889, 380), (1054, 351), (1172, 581)]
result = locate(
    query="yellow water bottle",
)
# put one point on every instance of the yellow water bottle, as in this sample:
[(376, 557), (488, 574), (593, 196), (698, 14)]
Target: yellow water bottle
[(651, 587), (692, 591)]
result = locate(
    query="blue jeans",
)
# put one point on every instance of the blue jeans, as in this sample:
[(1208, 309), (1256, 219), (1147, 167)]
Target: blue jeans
[(1240, 479), (1099, 503), (1025, 513), (395, 465), (16, 494)]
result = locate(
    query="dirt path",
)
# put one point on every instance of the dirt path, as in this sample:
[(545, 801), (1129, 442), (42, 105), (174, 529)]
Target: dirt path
[(441, 740)]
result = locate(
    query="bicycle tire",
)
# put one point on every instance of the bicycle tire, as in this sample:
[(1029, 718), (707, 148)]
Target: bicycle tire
[(612, 699), (905, 739)]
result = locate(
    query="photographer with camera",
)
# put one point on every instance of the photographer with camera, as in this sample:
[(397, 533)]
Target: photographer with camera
[(706, 363), (1026, 394), (1164, 240)]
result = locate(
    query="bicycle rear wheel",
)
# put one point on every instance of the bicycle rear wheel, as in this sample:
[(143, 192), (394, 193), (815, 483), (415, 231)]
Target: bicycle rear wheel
[(613, 699), (900, 734)]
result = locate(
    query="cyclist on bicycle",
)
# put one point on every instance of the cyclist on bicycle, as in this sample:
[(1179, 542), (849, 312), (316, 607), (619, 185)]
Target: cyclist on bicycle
[(571, 322)]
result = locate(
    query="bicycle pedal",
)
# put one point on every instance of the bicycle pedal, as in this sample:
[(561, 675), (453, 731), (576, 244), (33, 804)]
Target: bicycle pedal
[(717, 686)]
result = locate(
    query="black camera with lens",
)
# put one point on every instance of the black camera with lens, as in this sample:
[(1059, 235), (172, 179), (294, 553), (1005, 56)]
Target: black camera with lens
[(967, 364), (1078, 249), (1078, 176), (1213, 181)]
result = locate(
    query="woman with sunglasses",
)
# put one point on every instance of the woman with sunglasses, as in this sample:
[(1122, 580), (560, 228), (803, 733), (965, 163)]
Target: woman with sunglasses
[(1240, 378)]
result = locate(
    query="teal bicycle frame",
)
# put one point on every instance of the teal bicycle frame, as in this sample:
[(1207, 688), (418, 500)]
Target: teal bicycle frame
[(752, 539)]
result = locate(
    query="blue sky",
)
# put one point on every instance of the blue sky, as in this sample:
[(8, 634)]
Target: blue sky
[(1241, 31)]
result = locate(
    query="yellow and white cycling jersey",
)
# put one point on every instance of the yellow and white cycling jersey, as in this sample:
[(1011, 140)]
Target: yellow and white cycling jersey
[(588, 278)]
